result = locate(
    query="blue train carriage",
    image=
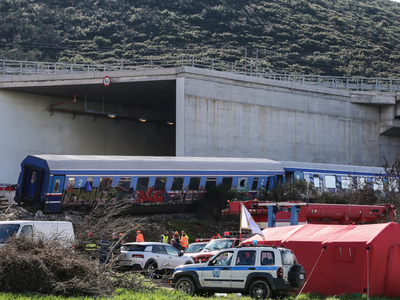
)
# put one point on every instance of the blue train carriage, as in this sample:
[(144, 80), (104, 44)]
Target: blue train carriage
[(54, 182), (334, 178)]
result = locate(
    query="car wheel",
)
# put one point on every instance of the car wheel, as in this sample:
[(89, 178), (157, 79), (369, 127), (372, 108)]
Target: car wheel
[(260, 290), (186, 286), (188, 262), (150, 270)]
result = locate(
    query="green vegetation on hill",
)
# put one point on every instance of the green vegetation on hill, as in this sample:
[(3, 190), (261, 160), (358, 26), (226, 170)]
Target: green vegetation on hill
[(340, 37)]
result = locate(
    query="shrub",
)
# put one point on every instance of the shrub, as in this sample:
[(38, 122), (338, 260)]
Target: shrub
[(47, 267)]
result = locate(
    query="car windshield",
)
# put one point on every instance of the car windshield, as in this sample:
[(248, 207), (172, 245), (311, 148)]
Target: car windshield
[(7, 230), (133, 247), (218, 245), (193, 248)]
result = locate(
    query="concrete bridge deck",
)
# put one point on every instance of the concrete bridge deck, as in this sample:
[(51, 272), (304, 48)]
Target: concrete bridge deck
[(190, 111)]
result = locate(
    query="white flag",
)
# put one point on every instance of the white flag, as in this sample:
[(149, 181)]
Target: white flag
[(247, 221)]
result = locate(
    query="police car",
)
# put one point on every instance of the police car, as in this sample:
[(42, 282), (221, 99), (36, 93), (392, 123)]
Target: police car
[(261, 272)]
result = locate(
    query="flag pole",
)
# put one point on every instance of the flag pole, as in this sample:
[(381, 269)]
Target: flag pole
[(240, 229)]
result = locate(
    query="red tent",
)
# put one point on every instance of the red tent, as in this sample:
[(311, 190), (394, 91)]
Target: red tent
[(343, 259)]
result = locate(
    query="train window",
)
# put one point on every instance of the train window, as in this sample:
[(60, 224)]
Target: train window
[(70, 185), (347, 183), (330, 182), (194, 183), (123, 184), (255, 183), (89, 185), (227, 181), (242, 183), (211, 182), (316, 181), (177, 184), (361, 182), (160, 183), (142, 184), (57, 185), (378, 184), (88, 194), (33, 178), (105, 184), (90, 181)]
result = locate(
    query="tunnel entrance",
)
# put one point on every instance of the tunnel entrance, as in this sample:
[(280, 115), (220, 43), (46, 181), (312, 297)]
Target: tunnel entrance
[(129, 118)]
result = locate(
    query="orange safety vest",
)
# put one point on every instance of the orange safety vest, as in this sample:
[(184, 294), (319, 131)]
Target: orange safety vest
[(184, 240), (139, 238)]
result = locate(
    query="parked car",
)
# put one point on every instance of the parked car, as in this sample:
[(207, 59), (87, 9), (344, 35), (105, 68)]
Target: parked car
[(62, 231), (195, 248), (261, 272), (152, 258), (213, 247)]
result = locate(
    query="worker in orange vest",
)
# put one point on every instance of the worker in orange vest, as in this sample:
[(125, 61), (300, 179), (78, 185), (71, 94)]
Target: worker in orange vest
[(216, 236), (175, 236), (184, 240), (139, 237)]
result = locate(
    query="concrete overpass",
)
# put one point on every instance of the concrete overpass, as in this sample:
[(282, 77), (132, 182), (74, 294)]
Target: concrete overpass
[(189, 111)]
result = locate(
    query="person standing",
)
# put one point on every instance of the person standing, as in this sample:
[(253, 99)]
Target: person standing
[(139, 237), (121, 235), (216, 236), (103, 248), (164, 237), (176, 235), (184, 240), (91, 246), (176, 244), (176, 238)]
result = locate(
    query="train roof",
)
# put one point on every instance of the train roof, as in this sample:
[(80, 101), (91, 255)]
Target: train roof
[(291, 166), (107, 162)]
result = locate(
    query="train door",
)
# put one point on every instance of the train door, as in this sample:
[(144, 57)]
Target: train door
[(54, 195), (31, 185)]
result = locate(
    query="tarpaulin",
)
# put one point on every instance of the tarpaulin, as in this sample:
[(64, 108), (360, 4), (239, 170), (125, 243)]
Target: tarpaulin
[(343, 259)]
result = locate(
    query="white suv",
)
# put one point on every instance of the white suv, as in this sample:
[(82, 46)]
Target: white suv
[(153, 258), (261, 272)]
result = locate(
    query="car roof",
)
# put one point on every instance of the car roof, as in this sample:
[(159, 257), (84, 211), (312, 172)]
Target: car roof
[(247, 246), (144, 243)]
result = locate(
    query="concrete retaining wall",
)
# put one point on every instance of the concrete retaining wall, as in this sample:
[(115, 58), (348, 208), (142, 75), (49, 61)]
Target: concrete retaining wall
[(229, 116)]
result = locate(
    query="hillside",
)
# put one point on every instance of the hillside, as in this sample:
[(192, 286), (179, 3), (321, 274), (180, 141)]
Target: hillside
[(341, 37)]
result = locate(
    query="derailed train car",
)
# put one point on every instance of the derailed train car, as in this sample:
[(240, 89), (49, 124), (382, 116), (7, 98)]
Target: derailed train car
[(55, 182), (334, 178), (52, 183)]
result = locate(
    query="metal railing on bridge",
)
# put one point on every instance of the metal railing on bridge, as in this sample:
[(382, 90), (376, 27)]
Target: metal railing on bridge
[(255, 68)]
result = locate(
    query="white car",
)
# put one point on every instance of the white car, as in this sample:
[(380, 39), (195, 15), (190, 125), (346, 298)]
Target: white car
[(152, 257)]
